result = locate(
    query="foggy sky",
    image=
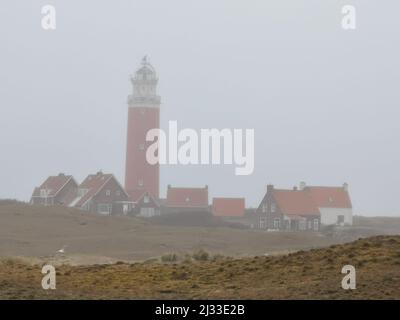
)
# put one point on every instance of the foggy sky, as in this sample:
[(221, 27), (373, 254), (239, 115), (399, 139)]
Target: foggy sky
[(324, 102)]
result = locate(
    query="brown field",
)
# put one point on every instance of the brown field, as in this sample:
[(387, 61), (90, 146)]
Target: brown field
[(38, 232), (125, 258)]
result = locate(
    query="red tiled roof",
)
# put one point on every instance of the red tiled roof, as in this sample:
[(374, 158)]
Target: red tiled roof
[(330, 197), (53, 184), (187, 197), (228, 207), (295, 202)]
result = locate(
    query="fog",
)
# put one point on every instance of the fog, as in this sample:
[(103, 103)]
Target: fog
[(323, 101)]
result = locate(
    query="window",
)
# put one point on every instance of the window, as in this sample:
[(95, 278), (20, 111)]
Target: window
[(309, 224), (108, 193), (141, 146), (316, 224), (146, 199), (264, 208), (187, 199), (340, 219), (273, 207), (147, 212), (43, 193), (140, 182), (277, 223), (125, 208), (302, 225), (104, 208), (118, 193), (263, 223)]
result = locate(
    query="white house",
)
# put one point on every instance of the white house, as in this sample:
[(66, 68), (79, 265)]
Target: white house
[(333, 203)]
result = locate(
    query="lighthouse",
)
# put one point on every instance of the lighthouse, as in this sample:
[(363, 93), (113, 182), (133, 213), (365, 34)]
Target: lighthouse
[(143, 115)]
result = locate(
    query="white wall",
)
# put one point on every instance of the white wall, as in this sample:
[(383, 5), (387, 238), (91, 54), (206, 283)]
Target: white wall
[(329, 215)]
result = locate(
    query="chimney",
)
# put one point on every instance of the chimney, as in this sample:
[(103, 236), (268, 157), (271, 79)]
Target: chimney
[(302, 185), (270, 187), (346, 186)]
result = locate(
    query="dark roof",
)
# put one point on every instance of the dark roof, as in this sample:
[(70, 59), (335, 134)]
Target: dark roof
[(94, 183), (53, 184)]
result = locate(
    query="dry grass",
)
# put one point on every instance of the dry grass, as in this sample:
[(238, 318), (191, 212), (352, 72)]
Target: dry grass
[(313, 274)]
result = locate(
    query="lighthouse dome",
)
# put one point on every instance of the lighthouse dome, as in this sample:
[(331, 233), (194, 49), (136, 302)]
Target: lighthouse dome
[(146, 71), (144, 83)]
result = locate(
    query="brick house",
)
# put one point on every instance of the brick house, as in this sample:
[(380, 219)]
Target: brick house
[(291, 210), (102, 193), (186, 200), (55, 190), (144, 204)]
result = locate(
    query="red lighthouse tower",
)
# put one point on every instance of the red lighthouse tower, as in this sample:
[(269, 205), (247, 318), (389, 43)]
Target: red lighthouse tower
[(143, 115)]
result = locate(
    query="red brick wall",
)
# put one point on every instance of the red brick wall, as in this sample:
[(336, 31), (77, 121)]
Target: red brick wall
[(140, 121)]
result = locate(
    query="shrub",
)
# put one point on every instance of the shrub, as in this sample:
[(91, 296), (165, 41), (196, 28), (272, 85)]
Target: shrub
[(170, 257), (201, 255)]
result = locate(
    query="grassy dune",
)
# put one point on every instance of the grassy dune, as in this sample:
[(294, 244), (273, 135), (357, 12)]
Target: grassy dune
[(313, 274)]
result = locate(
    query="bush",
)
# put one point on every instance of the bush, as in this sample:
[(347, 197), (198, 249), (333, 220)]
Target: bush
[(201, 255), (170, 257)]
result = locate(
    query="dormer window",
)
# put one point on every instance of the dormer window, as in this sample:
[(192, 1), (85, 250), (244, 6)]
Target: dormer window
[(146, 199), (187, 199)]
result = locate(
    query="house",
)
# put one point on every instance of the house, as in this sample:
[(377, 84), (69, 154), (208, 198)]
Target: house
[(102, 193), (55, 190), (228, 207), (291, 210), (186, 200), (144, 204), (334, 203)]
